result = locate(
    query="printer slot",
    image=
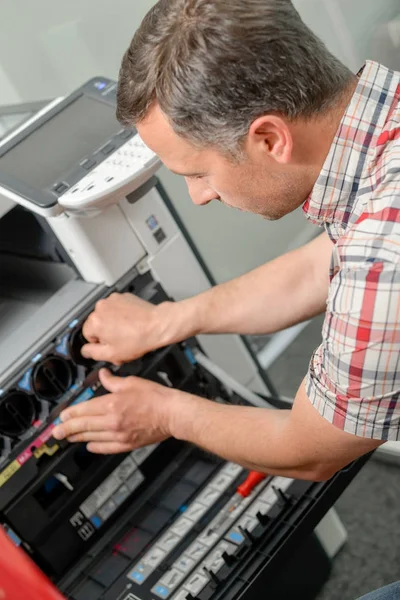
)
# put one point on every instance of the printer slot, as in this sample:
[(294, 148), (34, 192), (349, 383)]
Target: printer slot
[(52, 377), (66, 478), (51, 491), (170, 368), (39, 510), (61, 483), (75, 343), (18, 412)]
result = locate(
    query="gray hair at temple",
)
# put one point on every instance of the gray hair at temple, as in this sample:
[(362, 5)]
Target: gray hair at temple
[(214, 66)]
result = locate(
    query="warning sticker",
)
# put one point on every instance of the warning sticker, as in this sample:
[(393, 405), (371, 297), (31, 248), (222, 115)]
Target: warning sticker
[(9, 472)]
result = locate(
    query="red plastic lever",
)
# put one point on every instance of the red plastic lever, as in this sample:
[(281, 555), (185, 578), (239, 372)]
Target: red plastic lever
[(253, 479)]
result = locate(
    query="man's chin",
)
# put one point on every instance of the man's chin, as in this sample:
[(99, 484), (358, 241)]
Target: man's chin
[(276, 215), (271, 216), (267, 215)]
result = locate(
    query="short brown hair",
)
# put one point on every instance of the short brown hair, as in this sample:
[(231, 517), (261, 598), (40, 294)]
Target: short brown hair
[(214, 66)]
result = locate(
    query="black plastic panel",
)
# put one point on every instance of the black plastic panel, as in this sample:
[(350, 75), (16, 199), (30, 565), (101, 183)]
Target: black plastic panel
[(115, 510)]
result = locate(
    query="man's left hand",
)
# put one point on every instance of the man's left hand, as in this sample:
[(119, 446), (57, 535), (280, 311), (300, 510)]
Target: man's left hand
[(136, 413)]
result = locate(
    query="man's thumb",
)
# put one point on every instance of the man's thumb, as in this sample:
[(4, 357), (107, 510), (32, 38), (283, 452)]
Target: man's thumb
[(111, 382)]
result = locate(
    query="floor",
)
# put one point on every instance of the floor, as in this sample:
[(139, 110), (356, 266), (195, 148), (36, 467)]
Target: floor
[(370, 507)]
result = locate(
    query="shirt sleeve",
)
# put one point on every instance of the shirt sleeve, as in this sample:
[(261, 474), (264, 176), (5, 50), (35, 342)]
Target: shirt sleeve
[(354, 376)]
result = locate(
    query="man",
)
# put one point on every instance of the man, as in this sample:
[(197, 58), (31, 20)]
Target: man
[(248, 105)]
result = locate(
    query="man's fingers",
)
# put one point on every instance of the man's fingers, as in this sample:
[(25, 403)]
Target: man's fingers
[(108, 447), (111, 382), (96, 407), (94, 436), (99, 352), (79, 425), (89, 330)]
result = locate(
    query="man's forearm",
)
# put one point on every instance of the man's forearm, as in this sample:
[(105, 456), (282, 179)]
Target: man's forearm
[(297, 443), (256, 438), (286, 291)]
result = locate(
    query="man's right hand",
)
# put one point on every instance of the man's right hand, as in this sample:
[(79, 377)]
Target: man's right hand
[(123, 327), (281, 293)]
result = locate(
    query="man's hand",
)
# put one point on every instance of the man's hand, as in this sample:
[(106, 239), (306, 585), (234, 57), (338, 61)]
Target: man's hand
[(295, 443), (123, 327), (135, 413)]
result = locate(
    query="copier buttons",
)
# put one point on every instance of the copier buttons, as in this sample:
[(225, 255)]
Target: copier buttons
[(148, 561)]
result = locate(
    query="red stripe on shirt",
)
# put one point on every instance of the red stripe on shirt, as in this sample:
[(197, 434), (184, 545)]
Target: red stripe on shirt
[(389, 136), (363, 336), (387, 214)]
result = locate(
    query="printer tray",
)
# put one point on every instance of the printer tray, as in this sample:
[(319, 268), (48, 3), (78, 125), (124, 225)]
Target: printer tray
[(248, 572)]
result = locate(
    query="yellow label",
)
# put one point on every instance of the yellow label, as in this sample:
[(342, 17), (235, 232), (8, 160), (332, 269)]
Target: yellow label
[(9, 472), (45, 449)]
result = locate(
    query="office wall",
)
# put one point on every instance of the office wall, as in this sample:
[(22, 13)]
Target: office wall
[(48, 48), (349, 27), (8, 93)]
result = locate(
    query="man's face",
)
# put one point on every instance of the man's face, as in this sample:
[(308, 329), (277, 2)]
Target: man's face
[(257, 183)]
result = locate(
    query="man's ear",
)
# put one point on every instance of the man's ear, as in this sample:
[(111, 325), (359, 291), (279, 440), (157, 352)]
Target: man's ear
[(270, 135)]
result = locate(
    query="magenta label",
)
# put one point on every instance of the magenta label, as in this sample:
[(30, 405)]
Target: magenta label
[(39, 441)]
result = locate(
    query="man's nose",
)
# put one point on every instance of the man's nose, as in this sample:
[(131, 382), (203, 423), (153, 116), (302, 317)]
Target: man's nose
[(200, 193)]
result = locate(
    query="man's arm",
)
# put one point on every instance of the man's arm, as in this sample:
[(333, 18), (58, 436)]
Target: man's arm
[(288, 290), (281, 293), (295, 443)]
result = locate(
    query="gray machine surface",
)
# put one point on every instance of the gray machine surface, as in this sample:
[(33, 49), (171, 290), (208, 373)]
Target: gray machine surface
[(38, 290)]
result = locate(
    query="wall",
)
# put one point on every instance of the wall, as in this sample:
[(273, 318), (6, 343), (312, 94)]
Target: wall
[(348, 27), (8, 93)]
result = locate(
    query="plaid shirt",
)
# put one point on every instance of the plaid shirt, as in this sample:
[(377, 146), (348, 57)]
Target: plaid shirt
[(354, 376)]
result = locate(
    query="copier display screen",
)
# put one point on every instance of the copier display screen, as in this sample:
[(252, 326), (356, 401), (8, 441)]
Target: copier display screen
[(56, 147)]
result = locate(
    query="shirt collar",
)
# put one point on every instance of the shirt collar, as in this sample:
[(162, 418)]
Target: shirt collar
[(333, 195)]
